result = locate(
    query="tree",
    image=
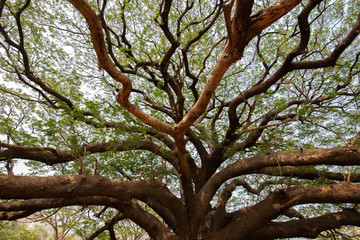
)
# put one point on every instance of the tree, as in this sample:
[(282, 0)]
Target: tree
[(193, 119), (59, 221), (20, 231)]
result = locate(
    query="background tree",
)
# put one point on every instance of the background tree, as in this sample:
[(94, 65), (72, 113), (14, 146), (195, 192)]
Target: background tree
[(21, 231), (60, 222), (193, 119)]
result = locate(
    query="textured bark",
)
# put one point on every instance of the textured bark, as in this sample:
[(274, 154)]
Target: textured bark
[(50, 156), (309, 227), (337, 156), (248, 220), (105, 62)]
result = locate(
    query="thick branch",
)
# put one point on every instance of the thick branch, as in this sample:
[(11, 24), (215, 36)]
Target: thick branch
[(14, 215), (307, 227), (336, 156), (228, 57), (83, 186), (267, 16), (288, 66), (105, 62), (127, 209), (307, 173), (239, 37), (50, 156), (282, 199)]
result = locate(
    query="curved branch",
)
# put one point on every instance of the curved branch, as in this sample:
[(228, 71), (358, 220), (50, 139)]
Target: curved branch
[(226, 194), (14, 215), (164, 213), (307, 227), (105, 62), (16, 187), (307, 173), (267, 16), (50, 156), (127, 209), (152, 225), (221, 216), (248, 220), (330, 61), (109, 224), (336, 156), (26, 61)]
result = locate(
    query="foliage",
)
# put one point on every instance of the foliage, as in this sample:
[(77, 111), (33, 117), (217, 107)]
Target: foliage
[(18, 231)]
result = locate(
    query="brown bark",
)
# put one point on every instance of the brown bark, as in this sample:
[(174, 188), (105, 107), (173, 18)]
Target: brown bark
[(77, 187), (242, 34), (308, 227), (127, 210), (338, 156), (248, 220), (308, 173), (105, 62), (82, 185), (51, 156)]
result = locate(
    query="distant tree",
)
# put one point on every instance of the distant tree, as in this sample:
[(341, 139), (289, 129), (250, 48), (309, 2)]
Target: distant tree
[(60, 221), (20, 231), (193, 119)]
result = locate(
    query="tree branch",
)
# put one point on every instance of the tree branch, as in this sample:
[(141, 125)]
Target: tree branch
[(307, 173), (14, 215), (50, 156), (105, 62), (108, 225), (127, 209), (281, 200), (16, 187), (330, 61), (307, 227), (336, 156)]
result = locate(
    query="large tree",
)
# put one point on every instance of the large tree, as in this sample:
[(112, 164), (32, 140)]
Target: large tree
[(193, 119)]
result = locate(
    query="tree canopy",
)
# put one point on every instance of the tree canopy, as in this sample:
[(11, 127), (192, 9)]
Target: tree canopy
[(220, 119)]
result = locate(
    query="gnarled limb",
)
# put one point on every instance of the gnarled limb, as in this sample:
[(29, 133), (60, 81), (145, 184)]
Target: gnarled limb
[(81, 186), (127, 209), (307, 173), (337, 156), (228, 56), (307, 227), (50, 156), (248, 220), (14, 215), (105, 62)]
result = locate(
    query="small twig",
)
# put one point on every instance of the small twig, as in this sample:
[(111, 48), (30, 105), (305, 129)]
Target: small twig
[(208, 55)]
